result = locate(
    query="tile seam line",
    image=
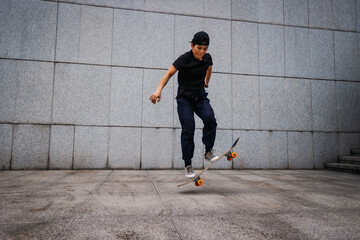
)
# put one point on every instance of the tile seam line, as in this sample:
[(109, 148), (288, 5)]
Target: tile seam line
[(162, 202), (12, 146), (54, 71), (147, 127), (199, 16), (53, 88), (150, 68), (110, 91), (77, 214)]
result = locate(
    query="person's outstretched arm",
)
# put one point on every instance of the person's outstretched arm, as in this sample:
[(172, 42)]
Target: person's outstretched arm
[(157, 94)]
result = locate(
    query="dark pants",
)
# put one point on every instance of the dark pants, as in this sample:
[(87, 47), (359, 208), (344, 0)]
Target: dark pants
[(186, 110)]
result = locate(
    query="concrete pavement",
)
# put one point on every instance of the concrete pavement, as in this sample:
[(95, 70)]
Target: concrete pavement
[(232, 204)]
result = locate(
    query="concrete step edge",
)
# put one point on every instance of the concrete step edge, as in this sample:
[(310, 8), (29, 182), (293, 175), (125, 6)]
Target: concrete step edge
[(342, 166), (355, 151), (349, 159)]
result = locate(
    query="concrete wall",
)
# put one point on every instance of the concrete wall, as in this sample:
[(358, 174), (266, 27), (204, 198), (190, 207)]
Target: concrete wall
[(76, 75)]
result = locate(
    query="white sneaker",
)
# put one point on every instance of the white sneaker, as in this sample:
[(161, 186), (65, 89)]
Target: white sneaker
[(189, 172), (209, 156)]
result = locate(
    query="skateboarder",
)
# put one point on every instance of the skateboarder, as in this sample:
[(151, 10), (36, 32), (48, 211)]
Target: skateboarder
[(194, 76)]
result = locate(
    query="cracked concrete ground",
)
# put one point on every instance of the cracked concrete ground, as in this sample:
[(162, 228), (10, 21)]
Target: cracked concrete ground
[(232, 204)]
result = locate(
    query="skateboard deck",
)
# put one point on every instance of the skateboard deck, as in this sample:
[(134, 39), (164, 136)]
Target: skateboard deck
[(229, 154)]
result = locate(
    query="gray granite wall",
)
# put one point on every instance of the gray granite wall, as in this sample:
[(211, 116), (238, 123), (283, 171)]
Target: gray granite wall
[(76, 75)]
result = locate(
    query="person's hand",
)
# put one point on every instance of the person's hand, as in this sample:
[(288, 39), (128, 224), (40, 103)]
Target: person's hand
[(155, 96)]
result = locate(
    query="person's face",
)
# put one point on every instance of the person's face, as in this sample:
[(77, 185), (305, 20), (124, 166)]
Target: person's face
[(199, 50)]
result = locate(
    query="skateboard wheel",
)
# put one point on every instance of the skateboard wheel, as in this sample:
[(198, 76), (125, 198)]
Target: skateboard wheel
[(229, 158), (234, 154), (199, 182)]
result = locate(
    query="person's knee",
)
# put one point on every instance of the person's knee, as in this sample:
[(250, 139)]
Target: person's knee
[(210, 119)]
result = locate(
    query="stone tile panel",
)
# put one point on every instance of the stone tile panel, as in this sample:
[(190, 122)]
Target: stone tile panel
[(300, 150), (85, 34), (30, 148), (125, 148), (6, 138), (126, 96), (81, 94), (348, 106), (246, 102), (347, 55), (26, 91), (296, 12), (245, 48), (61, 147), (297, 52), (91, 147), (324, 106), (321, 54), (157, 148), (271, 50), (28, 29)]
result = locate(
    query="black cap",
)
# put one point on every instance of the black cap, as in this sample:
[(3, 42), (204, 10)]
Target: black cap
[(201, 38)]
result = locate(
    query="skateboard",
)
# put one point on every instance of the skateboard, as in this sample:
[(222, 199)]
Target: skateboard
[(229, 154)]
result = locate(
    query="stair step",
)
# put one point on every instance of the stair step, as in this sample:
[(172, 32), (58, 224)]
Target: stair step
[(355, 152), (349, 159), (343, 167)]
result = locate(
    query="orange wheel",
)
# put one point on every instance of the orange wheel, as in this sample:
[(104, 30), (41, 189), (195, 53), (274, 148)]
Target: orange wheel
[(229, 158), (234, 154), (200, 182)]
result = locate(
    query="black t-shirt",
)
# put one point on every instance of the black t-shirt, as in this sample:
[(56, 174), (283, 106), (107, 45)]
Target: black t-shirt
[(191, 76)]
